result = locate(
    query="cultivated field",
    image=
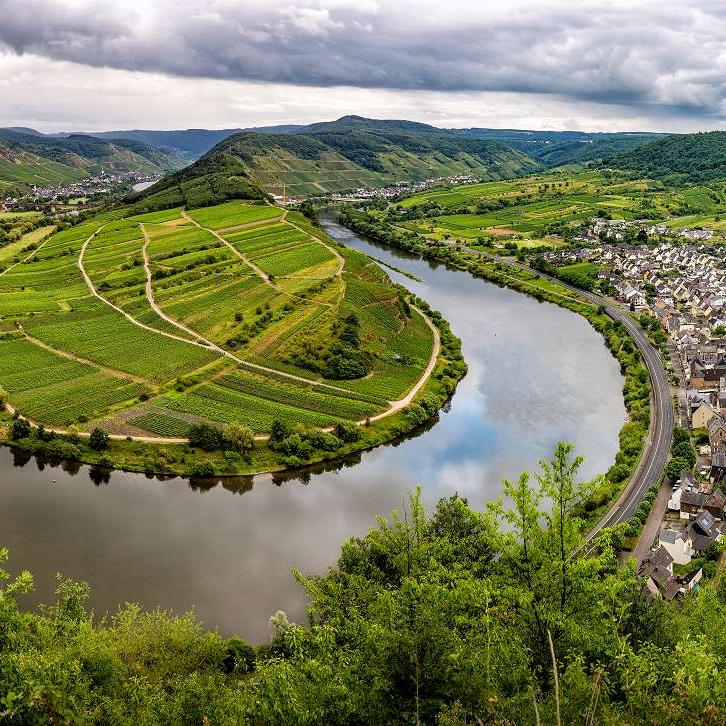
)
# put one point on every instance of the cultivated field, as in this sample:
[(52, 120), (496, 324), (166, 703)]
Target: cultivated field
[(527, 209), (146, 325)]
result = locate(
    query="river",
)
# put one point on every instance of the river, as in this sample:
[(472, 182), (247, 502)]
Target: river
[(537, 374), (140, 186)]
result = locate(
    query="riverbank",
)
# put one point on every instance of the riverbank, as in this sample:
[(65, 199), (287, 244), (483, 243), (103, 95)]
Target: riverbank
[(178, 457), (637, 389)]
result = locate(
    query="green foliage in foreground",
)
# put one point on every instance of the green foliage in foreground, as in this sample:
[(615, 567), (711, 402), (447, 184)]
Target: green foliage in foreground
[(441, 618)]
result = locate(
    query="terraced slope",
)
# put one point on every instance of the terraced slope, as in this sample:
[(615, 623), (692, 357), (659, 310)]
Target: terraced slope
[(342, 156), (32, 158), (148, 324)]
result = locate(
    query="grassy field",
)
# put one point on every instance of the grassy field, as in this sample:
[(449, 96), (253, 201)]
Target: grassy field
[(147, 325), (526, 210)]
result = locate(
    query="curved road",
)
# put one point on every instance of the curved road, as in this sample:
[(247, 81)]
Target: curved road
[(660, 432)]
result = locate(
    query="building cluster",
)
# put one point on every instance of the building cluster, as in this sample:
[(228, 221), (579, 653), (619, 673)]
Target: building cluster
[(616, 230), (693, 522), (409, 187), (47, 197)]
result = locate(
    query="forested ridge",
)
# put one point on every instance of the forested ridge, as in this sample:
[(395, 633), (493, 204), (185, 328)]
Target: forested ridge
[(450, 617)]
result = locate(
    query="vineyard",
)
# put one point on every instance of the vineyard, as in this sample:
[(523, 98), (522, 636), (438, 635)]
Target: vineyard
[(147, 325)]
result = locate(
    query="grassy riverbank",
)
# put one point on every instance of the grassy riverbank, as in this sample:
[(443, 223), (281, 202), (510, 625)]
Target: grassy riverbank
[(636, 390)]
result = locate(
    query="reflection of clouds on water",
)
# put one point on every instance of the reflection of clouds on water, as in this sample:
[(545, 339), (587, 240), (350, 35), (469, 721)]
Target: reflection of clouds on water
[(536, 374)]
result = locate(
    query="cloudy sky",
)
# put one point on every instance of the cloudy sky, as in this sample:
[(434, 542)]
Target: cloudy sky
[(546, 64)]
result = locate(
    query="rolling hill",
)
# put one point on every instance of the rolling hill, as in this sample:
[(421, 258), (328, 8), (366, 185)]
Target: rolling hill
[(556, 148), (681, 158), (344, 155), (28, 157)]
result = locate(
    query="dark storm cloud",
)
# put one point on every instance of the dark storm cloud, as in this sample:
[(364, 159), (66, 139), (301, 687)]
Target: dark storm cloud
[(666, 57)]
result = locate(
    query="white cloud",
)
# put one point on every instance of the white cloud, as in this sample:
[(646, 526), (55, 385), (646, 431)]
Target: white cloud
[(600, 65)]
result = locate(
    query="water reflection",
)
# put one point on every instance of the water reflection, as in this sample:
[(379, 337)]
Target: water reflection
[(536, 374)]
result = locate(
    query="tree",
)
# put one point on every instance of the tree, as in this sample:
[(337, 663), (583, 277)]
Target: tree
[(675, 467), (19, 429), (240, 437), (203, 436), (99, 440)]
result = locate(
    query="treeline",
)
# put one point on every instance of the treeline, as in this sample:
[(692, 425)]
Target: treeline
[(452, 617), (681, 158)]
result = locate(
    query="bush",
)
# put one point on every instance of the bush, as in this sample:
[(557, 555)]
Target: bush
[(347, 432), (203, 436), (280, 430), (239, 658), (239, 437), (323, 440), (202, 468), (99, 440), (19, 429)]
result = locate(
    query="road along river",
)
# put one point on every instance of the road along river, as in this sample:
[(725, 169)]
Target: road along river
[(537, 374)]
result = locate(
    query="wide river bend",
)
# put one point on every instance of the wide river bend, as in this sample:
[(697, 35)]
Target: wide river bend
[(537, 374)]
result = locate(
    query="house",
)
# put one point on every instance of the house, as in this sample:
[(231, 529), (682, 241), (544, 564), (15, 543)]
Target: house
[(690, 582), (702, 532), (657, 565), (715, 504), (692, 503), (677, 544), (718, 465), (716, 432), (671, 589), (702, 415)]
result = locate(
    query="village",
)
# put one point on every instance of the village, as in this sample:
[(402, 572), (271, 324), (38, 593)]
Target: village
[(56, 197), (679, 280)]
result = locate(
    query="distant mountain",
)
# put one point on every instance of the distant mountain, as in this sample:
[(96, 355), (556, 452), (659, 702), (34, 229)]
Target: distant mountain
[(556, 148), (28, 157), (187, 144), (686, 158)]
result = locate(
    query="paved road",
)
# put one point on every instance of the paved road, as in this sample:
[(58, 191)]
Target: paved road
[(658, 442)]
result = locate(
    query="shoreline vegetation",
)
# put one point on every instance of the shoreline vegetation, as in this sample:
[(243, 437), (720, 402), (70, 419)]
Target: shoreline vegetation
[(450, 616), (637, 388)]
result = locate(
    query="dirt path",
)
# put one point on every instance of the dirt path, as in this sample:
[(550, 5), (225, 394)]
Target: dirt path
[(152, 301), (130, 318), (335, 253), (72, 356), (403, 402), (25, 259), (244, 258)]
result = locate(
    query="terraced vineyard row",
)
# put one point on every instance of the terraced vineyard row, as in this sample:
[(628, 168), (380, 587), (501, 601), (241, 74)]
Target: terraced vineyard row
[(147, 322)]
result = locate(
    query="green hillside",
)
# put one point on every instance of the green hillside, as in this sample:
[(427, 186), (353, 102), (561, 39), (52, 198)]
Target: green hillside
[(32, 158), (347, 154), (684, 158), (556, 148)]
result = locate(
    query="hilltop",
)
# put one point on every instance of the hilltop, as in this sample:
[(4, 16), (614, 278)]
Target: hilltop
[(682, 158), (347, 154), (28, 157)]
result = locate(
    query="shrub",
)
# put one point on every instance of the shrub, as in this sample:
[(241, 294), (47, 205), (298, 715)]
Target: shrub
[(99, 440), (239, 657), (280, 430), (19, 429), (203, 436), (202, 468), (323, 440), (347, 432), (239, 437)]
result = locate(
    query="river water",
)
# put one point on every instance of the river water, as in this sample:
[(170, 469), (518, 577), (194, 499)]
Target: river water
[(537, 374)]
